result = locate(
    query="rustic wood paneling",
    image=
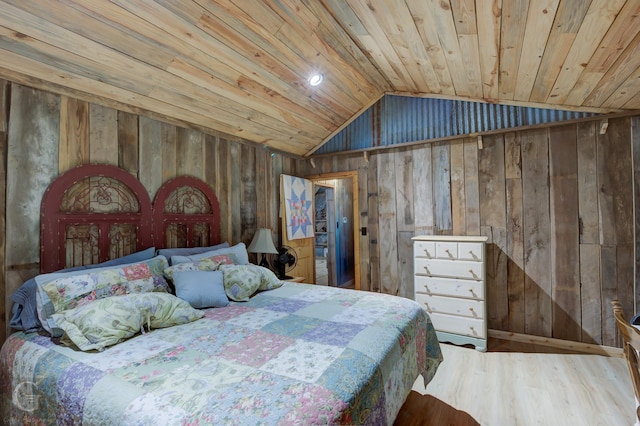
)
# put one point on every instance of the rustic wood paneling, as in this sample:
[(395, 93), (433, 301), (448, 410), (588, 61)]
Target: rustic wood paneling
[(404, 190), (34, 130), (103, 135), (150, 143), (514, 189), (565, 253), (247, 193), (458, 196), (373, 226), (493, 223), (536, 226), (169, 140), (359, 164), (5, 90), (5, 304), (471, 188), (635, 146), (128, 142), (73, 149), (590, 295), (423, 193), (387, 224), (235, 191), (189, 153), (515, 233), (441, 188), (223, 175), (588, 184)]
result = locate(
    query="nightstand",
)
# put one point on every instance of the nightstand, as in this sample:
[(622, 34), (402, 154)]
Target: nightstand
[(295, 279)]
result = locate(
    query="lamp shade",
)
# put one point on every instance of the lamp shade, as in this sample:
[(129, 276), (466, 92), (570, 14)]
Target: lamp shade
[(262, 242)]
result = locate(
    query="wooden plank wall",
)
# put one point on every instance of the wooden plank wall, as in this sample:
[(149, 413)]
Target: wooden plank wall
[(48, 134), (557, 205)]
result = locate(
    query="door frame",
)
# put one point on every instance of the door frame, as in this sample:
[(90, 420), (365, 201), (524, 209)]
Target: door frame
[(353, 175)]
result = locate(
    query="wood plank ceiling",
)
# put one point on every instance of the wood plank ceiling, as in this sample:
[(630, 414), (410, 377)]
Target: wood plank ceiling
[(240, 67)]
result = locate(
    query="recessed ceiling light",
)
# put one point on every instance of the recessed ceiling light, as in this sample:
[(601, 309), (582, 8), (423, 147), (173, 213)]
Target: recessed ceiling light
[(315, 79)]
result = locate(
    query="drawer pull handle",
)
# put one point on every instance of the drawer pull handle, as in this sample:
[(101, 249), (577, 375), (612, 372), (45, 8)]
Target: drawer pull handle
[(473, 274), (427, 270), (426, 288), (472, 293), (427, 306), (473, 330), (449, 253), (426, 253), (473, 312)]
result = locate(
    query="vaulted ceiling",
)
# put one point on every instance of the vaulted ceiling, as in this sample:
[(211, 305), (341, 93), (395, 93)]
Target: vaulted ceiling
[(240, 67)]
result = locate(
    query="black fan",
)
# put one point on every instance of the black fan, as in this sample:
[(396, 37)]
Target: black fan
[(284, 261)]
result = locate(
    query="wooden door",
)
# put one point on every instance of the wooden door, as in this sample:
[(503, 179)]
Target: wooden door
[(304, 247)]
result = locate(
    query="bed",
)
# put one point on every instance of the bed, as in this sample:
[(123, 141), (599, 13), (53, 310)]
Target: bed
[(234, 345)]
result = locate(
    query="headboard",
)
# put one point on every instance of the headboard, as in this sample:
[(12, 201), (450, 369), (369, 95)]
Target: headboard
[(186, 213), (96, 212)]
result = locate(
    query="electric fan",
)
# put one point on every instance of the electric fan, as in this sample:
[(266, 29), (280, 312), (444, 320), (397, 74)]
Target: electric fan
[(284, 261)]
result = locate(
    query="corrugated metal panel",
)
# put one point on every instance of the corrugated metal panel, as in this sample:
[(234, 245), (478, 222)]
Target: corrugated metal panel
[(395, 120)]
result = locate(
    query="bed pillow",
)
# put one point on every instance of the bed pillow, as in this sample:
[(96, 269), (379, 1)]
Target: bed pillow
[(25, 311), (211, 263), (58, 292), (239, 251), (108, 321), (242, 281), (269, 280), (189, 251), (201, 289)]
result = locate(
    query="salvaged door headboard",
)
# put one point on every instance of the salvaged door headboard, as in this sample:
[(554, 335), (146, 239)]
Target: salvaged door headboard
[(97, 212)]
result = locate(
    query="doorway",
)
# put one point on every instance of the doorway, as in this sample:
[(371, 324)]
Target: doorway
[(337, 227), (325, 244)]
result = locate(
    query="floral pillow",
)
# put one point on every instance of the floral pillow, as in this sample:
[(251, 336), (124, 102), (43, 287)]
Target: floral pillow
[(108, 321), (211, 263), (59, 292), (242, 281), (269, 280)]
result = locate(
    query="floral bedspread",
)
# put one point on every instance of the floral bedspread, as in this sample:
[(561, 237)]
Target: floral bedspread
[(300, 354)]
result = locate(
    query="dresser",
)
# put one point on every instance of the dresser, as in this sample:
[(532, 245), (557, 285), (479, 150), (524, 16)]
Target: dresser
[(449, 281)]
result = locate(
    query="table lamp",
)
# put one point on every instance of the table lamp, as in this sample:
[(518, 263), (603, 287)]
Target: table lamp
[(262, 243)]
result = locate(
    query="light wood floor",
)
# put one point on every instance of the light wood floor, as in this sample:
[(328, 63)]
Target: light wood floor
[(519, 384), (322, 275)]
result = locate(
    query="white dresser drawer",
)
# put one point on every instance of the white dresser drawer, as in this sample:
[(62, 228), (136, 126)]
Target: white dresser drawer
[(471, 251), (446, 250), (459, 325), (446, 268), (450, 305), (449, 287), (424, 249)]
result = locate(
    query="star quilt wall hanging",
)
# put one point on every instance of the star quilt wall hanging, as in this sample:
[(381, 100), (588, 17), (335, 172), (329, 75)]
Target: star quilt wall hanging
[(298, 202)]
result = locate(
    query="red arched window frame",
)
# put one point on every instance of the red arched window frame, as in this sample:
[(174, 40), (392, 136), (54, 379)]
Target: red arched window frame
[(165, 216), (54, 221)]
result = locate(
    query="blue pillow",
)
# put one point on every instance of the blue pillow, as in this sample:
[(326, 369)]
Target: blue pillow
[(136, 257), (201, 289), (239, 251), (24, 311), (188, 251)]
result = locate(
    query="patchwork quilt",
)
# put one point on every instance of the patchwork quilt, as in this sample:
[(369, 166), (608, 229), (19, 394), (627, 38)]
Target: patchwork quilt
[(299, 354)]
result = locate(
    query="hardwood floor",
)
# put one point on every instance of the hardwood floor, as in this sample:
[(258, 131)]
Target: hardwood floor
[(322, 275), (522, 384)]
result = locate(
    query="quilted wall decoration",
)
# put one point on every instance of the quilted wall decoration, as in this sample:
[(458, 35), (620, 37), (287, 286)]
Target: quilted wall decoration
[(298, 201)]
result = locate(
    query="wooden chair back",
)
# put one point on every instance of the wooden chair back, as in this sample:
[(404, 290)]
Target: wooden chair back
[(631, 346)]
